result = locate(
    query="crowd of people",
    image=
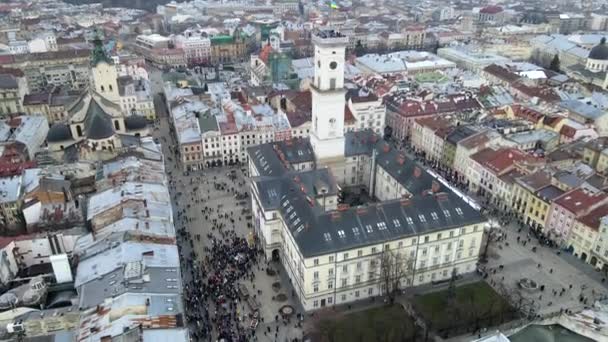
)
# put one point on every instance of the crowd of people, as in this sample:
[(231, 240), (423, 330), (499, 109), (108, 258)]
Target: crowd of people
[(214, 307)]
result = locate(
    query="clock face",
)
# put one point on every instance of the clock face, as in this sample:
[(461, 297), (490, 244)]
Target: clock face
[(333, 65)]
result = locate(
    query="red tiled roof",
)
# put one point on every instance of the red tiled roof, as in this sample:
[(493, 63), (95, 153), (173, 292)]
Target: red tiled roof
[(568, 131), (594, 218), (527, 113), (360, 99), (552, 121), (434, 123), (579, 200), (500, 160), (501, 73), (348, 115), (265, 52)]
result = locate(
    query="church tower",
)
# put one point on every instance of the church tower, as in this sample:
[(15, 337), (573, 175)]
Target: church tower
[(328, 97), (103, 73)]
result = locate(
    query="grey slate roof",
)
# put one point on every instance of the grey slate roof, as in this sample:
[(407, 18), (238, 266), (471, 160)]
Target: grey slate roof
[(135, 122), (97, 124), (319, 232), (59, 132), (8, 82)]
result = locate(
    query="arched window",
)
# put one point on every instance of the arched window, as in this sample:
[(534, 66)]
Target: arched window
[(103, 89), (110, 87), (79, 130), (116, 125)]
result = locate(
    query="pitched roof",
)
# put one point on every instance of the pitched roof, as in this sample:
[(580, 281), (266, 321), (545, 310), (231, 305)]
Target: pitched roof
[(97, 123), (579, 200)]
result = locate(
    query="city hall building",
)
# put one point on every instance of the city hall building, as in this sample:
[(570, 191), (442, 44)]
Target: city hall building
[(331, 251)]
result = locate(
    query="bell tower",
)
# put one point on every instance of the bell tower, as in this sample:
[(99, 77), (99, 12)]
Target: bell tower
[(328, 95), (103, 72)]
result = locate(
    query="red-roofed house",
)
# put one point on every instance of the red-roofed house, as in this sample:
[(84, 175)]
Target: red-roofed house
[(401, 113), (259, 65), (573, 131), (428, 136), (583, 238), (487, 170), (570, 207), (492, 14), (368, 111)]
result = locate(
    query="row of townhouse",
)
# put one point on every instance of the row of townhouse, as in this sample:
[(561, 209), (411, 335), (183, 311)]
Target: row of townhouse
[(128, 276), (217, 127)]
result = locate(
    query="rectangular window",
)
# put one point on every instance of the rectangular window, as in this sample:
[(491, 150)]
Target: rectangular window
[(316, 275), (316, 262)]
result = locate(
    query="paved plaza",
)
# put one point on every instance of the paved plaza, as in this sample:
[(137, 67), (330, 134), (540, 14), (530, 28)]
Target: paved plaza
[(568, 284), (206, 199)]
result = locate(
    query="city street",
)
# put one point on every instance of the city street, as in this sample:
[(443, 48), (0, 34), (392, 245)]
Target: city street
[(214, 205)]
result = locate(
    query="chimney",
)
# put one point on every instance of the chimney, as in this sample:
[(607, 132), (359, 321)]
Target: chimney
[(343, 207), (401, 159), (361, 210), (441, 196), (435, 186), (386, 148)]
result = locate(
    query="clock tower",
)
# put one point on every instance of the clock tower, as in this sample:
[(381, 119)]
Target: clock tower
[(328, 96)]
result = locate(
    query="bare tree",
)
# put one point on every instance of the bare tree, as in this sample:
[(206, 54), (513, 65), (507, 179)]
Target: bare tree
[(395, 269)]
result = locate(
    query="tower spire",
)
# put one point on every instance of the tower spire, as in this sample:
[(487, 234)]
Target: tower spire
[(99, 53)]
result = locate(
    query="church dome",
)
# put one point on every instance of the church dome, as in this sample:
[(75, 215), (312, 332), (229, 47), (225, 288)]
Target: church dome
[(59, 132), (600, 51), (135, 122)]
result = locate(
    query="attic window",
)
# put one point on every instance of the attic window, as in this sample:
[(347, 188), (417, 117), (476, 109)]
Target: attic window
[(381, 225), (459, 211), (356, 231), (368, 228), (409, 220), (300, 228), (341, 234), (446, 213), (422, 218), (434, 216), (327, 237), (396, 223)]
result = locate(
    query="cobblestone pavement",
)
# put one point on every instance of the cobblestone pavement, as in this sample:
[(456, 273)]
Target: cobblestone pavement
[(198, 190)]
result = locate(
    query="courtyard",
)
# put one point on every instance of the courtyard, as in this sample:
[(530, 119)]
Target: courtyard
[(470, 308), (383, 323)]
